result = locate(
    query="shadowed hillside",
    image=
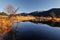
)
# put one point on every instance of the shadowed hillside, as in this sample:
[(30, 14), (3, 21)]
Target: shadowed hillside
[(46, 13)]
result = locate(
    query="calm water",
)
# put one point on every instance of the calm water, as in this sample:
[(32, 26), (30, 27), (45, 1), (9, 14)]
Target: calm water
[(31, 31)]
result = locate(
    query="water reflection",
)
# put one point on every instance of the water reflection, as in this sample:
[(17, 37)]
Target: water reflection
[(30, 31)]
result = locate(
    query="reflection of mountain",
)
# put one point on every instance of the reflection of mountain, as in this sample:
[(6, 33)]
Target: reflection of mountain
[(51, 23)]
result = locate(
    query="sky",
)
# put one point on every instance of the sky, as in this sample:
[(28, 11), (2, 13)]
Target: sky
[(30, 5)]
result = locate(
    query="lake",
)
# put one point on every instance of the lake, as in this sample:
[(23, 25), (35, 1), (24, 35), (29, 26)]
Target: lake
[(31, 31)]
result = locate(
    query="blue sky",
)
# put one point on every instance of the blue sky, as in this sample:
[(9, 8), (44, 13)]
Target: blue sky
[(30, 5)]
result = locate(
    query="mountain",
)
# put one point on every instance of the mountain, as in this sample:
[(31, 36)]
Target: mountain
[(2, 13), (56, 11), (52, 12)]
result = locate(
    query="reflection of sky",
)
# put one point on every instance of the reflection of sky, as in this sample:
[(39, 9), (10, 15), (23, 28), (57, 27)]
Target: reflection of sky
[(31, 5), (40, 28)]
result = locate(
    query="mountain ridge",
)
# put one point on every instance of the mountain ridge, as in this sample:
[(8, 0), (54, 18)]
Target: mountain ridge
[(56, 12)]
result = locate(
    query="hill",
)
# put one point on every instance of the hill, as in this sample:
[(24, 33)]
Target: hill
[(56, 11)]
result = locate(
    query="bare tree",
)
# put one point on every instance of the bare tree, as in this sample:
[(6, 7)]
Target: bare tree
[(10, 9), (52, 14)]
